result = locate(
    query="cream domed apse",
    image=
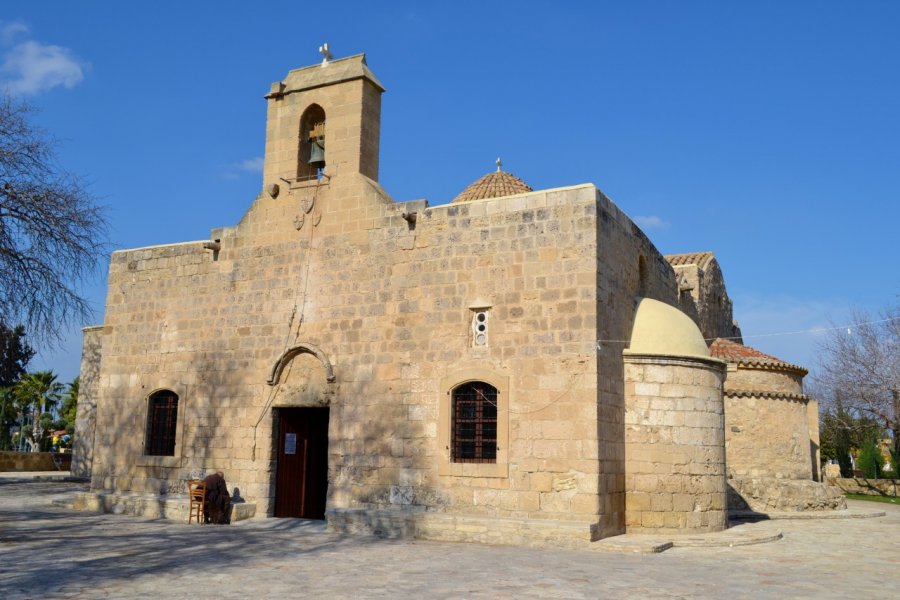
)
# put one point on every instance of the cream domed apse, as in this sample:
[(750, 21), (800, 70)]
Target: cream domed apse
[(663, 329)]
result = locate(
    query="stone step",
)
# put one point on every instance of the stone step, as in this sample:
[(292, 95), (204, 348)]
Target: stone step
[(173, 507), (447, 527)]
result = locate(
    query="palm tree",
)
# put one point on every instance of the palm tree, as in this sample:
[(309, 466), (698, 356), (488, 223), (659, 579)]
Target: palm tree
[(70, 404), (40, 391)]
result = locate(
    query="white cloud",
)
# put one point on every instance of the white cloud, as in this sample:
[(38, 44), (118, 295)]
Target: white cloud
[(254, 165), (9, 30), (250, 165), (30, 67), (651, 222)]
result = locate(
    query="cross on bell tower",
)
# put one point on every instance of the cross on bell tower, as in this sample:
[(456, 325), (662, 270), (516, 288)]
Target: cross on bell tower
[(326, 55)]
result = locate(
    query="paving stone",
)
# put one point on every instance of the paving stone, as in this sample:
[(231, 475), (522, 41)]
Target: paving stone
[(47, 551)]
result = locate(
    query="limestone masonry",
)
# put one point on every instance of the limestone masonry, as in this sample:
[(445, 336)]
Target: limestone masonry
[(452, 372)]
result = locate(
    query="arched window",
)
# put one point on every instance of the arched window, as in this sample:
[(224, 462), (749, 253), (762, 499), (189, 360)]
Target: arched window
[(311, 156), (642, 276), (474, 423), (162, 417)]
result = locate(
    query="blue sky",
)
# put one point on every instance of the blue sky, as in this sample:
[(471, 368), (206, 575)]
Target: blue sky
[(766, 132)]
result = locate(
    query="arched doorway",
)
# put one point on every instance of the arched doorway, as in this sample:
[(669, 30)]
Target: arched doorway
[(301, 417)]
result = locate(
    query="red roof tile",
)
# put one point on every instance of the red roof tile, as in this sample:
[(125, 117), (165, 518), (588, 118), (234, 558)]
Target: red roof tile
[(701, 259), (494, 185), (738, 353)]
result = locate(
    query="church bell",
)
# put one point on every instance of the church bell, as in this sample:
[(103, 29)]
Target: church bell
[(317, 152), (317, 145)]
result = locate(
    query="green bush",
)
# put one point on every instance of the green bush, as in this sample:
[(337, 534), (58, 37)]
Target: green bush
[(870, 460)]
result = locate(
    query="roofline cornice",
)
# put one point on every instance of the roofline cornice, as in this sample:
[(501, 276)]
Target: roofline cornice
[(766, 365), (767, 395)]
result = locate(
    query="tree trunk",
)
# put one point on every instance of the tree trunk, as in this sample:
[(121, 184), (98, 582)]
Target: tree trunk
[(842, 439), (36, 429)]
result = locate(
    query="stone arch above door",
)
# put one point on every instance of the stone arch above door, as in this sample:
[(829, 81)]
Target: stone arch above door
[(291, 353)]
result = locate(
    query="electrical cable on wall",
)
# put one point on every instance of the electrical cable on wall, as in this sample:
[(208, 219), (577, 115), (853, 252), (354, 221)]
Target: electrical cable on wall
[(848, 328), (288, 341), (576, 378)]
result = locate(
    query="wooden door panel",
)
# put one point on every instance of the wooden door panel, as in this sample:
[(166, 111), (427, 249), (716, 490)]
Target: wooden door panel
[(302, 469)]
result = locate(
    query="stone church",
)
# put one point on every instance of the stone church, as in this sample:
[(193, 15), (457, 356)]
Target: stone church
[(515, 366)]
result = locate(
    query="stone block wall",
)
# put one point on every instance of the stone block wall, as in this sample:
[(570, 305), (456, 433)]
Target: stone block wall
[(622, 251), (869, 487), (769, 378), (674, 445), (390, 306), (815, 453), (33, 461), (86, 415), (714, 305), (767, 436), (164, 329), (707, 300), (766, 494), (530, 260)]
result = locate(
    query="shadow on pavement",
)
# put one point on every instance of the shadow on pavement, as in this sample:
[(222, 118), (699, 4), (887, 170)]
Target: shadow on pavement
[(43, 547)]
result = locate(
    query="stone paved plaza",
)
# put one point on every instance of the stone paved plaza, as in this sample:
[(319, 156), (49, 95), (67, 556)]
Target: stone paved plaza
[(48, 551)]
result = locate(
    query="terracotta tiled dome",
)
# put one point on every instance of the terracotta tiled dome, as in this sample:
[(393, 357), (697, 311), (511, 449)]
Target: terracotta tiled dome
[(494, 185)]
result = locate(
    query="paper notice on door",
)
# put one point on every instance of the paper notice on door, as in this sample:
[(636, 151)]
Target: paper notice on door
[(290, 443)]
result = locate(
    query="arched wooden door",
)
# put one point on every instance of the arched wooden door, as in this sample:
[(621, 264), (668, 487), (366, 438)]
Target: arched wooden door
[(301, 482)]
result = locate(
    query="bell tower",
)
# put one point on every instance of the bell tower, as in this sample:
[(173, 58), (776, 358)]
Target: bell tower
[(323, 121)]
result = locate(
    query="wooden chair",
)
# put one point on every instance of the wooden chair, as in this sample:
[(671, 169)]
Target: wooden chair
[(197, 497)]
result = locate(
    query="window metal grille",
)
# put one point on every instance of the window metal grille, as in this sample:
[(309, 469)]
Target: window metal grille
[(162, 416), (474, 423)]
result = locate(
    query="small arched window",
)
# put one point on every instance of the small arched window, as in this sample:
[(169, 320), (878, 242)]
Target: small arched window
[(162, 418), (311, 156), (642, 276), (474, 423)]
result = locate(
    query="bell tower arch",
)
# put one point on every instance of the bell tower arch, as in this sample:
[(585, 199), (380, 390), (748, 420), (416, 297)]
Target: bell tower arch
[(311, 157), (301, 144)]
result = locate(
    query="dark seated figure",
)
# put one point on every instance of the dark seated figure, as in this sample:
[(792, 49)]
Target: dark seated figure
[(218, 501)]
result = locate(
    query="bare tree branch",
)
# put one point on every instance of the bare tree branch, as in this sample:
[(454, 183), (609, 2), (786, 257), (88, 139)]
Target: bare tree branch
[(860, 370), (52, 232)]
